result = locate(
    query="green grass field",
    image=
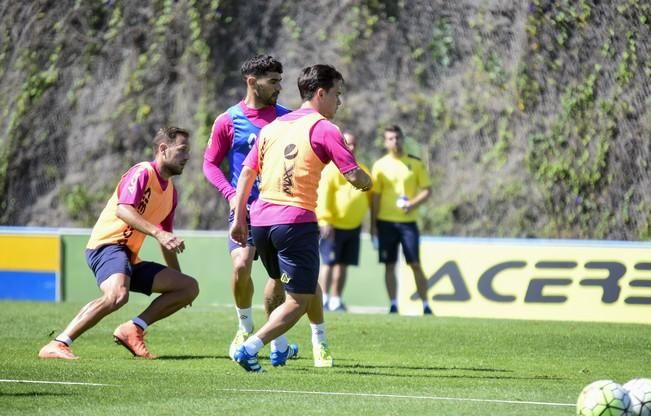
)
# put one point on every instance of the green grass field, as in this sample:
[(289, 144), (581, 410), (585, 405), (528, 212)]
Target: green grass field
[(384, 365)]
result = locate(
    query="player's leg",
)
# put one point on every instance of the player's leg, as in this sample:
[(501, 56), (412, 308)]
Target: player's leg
[(347, 254), (242, 288), (115, 293), (320, 347), (281, 349), (325, 283), (176, 289), (339, 272), (295, 261), (112, 269), (388, 242), (410, 240), (242, 284), (390, 281), (421, 286), (326, 251)]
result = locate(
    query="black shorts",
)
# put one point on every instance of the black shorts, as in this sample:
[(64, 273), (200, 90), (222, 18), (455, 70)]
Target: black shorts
[(392, 234), (110, 259), (341, 248), (290, 252)]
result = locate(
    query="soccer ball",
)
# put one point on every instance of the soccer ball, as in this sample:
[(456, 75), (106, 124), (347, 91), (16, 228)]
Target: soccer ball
[(603, 398), (639, 390)]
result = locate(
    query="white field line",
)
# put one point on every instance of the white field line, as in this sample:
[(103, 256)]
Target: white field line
[(399, 396), (72, 383)]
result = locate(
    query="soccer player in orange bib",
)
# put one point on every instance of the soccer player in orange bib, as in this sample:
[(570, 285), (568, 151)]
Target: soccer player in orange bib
[(143, 203), (233, 135), (288, 156)]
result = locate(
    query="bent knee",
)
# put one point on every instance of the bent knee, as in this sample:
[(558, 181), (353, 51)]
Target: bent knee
[(192, 288), (241, 268), (117, 299)]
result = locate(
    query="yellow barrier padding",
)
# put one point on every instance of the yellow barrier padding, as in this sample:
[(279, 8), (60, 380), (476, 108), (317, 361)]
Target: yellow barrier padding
[(551, 281), (30, 252)]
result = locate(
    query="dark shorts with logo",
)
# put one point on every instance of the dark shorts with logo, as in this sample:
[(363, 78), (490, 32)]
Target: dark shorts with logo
[(290, 252), (392, 234), (341, 248), (110, 259)]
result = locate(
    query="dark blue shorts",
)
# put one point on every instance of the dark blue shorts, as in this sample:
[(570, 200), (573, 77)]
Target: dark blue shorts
[(341, 248), (107, 260), (290, 252), (392, 234), (232, 245)]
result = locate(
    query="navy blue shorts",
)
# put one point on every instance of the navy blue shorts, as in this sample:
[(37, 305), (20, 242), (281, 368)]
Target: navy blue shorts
[(107, 260), (392, 234), (232, 245), (341, 248), (290, 252)]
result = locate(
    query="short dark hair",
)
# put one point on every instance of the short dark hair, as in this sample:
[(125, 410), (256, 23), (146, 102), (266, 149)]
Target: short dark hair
[(168, 135), (260, 65), (394, 128), (317, 76)]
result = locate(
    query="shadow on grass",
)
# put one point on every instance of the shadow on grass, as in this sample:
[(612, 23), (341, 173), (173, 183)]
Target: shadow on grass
[(32, 394), (430, 372), (192, 357), (405, 367)]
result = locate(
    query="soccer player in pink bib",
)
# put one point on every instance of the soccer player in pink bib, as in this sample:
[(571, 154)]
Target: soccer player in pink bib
[(288, 157), (142, 204)]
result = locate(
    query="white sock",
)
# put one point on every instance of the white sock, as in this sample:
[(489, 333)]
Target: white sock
[(394, 303), (245, 318), (318, 333), (62, 337), (253, 344), (325, 300), (279, 344), (142, 324), (425, 304), (335, 302)]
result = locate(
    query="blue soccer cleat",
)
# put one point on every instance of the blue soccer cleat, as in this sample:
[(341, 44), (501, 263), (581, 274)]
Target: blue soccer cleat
[(280, 358), (247, 361)]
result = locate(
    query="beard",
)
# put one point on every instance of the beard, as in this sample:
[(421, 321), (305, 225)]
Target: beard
[(266, 98), (175, 169)]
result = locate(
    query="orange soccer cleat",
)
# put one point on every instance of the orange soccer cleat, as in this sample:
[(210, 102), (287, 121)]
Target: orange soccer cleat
[(131, 336), (57, 349)]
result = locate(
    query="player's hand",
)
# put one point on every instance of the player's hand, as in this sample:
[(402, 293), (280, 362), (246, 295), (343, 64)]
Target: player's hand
[(374, 239), (170, 241), (239, 233), (327, 231)]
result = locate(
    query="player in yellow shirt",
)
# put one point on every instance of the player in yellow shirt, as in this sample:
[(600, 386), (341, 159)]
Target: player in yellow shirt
[(400, 184), (341, 208)]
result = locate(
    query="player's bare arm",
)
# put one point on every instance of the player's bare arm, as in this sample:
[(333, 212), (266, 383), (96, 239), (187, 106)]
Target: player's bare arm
[(359, 179), (239, 230), (421, 197), (171, 259), (167, 240)]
